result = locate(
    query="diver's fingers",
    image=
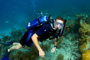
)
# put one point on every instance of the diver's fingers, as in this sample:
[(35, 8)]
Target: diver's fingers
[(42, 55)]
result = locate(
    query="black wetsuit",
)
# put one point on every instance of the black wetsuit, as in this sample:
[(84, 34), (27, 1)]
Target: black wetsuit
[(43, 33)]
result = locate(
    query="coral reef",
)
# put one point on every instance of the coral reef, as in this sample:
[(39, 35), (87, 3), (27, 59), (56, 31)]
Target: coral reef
[(70, 47), (16, 34), (68, 44), (86, 55), (84, 33), (69, 26), (45, 47), (30, 53), (87, 20), (5, 38)]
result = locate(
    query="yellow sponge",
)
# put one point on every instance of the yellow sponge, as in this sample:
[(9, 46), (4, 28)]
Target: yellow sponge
[(86, 55)]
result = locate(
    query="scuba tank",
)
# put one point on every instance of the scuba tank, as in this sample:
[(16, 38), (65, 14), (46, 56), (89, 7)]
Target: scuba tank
[(37, 22), (41, 21)]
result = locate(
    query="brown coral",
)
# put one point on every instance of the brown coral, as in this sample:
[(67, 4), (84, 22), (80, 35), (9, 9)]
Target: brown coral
[(31, 54), (87, 20), (60, 57)]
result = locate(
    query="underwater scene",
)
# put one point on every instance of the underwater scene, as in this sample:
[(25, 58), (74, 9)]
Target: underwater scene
[(74, 44)]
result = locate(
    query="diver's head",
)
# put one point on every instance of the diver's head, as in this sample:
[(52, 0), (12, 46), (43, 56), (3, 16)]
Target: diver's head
[(59, 23)]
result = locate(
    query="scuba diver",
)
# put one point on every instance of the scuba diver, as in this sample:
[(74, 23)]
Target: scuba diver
[(40, 29)]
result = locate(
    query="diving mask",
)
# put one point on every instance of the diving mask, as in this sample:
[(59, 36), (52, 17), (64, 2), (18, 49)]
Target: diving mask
[(58, 24)]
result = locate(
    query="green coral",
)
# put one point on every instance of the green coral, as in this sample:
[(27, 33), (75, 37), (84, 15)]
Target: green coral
[(31, 54), (60, 57), (87, 20), (69, 25), (16, 34), (6, 38), (84, 29), (44, 59), (46, 47)]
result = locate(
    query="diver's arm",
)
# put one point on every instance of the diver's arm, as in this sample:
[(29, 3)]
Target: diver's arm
[(55, 43), (55, 46), (35, 41)]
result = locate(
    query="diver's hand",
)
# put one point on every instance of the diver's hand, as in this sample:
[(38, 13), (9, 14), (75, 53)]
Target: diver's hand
[(53, 49), (41, 53)]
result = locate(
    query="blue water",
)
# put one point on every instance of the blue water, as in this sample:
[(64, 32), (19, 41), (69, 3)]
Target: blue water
[(16, 13)]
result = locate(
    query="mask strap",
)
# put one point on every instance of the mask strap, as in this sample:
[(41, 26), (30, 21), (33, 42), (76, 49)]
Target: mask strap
[(62, 30)]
